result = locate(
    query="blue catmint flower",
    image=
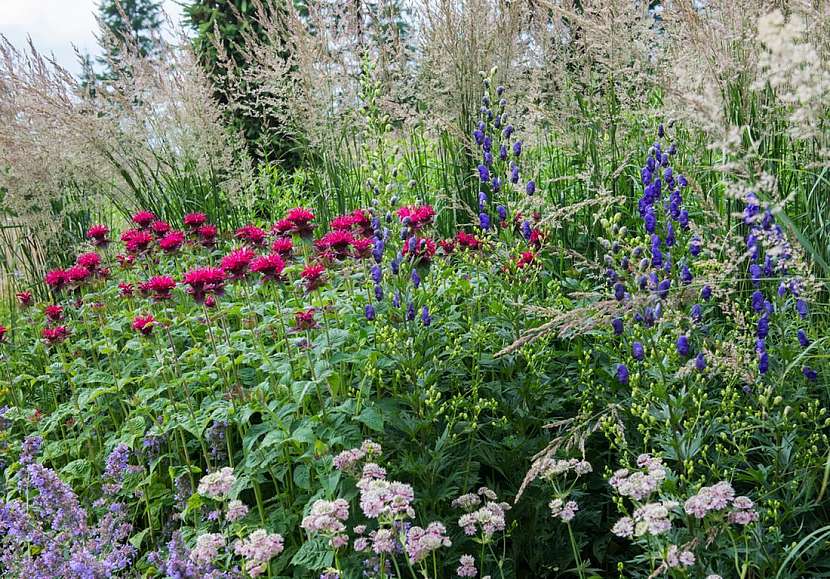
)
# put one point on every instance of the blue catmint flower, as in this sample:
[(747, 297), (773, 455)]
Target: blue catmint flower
[(668, 173), (499, 90), (683, 219), (619, 291), (412, 245), (642, 282), (502, 212), (482, 200), (637, 351), (663, 288), (527, 231), (645, 175), (706, 293), (611, 274), (426, 319), (484, 221), (695, 246), (488, 159), (802, 338), (416, 279), (660, 130), (483, 173), (487, 144), (377, 273), (617, 324), (410, 312), (801, 308), (656, 257), (622, 374), (503, 152), (495, 183), (672, 149), (664, 159), (760, 345), (670, 238), (514, 173), (530, 188), (379, 293), (685, 274), (517, 148), (395, 264), (681, 180), (782, 289), (683, 346), (370, 312), (478, 135), (809, 373), (396, 299), (507, 131), (700, 362)]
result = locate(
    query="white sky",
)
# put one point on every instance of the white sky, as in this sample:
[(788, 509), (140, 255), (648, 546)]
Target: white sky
[(56, 25)]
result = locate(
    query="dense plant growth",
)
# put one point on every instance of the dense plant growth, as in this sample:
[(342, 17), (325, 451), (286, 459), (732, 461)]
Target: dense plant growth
[(422, 353)]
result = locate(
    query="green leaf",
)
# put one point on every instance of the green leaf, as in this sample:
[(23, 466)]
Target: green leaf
[(313, 555), (372, 418)]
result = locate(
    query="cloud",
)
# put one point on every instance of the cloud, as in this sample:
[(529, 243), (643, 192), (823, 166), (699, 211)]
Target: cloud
[(56, 25)]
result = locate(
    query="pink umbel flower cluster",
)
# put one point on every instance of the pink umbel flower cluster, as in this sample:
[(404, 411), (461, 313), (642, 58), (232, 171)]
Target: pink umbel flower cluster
[(651, 519), (710, 499), (467, 567), (639, 485), (679, 557), (236, 510), (327, 518), (348, 460), (563, 511), (489, 518), (207, 548), (421, 542), (258, 549), (383, 499), (217, 484)]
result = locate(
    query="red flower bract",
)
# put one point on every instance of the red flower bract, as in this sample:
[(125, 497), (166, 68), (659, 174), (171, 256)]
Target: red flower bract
[(251, 234), (363, 222), (283, 245), (467, 240), (527, 258), (172, 241), (337, 241), (53, 312), (195, 220), (56, 279), (77, 274), (159, 287), (160, 228), (204, 280), (125, 289), (207, 234), (144, 324), (90, 260), (269, 266), (342, 222), (313, 276), (55, 334), (300, 219), (143, 218), (419, 215), (136, 240), (304, 320), (25, 299), (98, 234), (362, 248), (237, 261)]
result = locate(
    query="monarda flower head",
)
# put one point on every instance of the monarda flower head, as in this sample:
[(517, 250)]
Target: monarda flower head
[(236, 263), (283, 246), (202, 281), (144, 324), (56, 279), (269, 266), (301, 219), (143, 219), (77, 274), (160, 228), (337, 242), (207, 235), (136, 240), (97, 234), (171, 242), (526, 259), (158, 287), (418, 215), (25, 299), (304, 320), (54, 335), (251, 234), (194, 220), (362, 248), (53, 312), (467, 240), (313, 276), (90, 260)]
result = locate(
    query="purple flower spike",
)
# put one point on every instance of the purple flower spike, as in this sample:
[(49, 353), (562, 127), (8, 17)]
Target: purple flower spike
[(637, 351), (622, 374)]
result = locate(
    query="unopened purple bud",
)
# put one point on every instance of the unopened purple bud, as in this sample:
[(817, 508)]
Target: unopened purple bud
[(370, 312), (697, 313), (802, 338), (530, 188), (706, 293), (700, 362), (809, 373), (637, 351), (416, 279), (484, 221), (503, 152), (801, 308), (483, 173), (763, 363), (763, 327), (663, 288), (619, 291), (425, 317), (683, 346), (617, 324), (622, 374), (517, 148), (396, 299), (379, 292), (410, 311)]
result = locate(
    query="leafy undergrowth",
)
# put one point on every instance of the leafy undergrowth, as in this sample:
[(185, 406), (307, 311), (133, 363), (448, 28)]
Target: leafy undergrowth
[(364, 398)]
